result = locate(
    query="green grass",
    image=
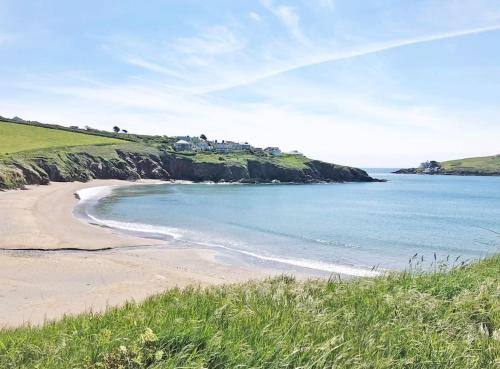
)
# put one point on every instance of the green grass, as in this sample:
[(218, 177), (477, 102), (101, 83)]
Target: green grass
[(16, 138), (487, 164), (292, 161), (440, 320), (233, 158), (241, 158)]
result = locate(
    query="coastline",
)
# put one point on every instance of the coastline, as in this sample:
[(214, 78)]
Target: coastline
[(36, 286), (42, 217)]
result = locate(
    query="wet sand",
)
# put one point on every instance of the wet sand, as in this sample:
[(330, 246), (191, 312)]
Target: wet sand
[(36, 286)]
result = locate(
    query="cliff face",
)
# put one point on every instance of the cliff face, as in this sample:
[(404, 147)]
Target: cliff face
[(83, 166)]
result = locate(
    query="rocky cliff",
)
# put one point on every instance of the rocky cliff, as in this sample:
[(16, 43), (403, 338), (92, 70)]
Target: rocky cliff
[(129, 165)]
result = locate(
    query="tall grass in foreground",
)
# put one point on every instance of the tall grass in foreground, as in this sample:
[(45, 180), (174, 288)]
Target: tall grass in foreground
[(439, 320)]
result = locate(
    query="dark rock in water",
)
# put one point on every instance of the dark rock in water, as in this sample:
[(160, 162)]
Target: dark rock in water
[(406, 171)]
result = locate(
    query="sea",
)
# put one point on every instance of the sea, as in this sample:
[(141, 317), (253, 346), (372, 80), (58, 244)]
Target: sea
[(415, 222)]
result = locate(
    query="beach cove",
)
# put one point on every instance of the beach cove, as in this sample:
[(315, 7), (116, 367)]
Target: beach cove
[(36, 286), (69, 248)]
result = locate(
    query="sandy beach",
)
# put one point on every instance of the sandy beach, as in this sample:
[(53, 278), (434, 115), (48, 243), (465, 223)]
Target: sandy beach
[(36, 286)]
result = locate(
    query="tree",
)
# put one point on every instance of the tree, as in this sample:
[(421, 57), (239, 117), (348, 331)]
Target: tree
[(124, 131), (116, 129), (203, 137)]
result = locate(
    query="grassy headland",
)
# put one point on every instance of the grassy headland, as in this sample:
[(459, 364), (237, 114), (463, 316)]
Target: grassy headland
[(439, 320), (485, 164), (34, 153), (479, 166)]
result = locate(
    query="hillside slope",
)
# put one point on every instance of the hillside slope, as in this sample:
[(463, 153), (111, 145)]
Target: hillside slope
[(152, 157), (439, 320), (486, 165), (15, 137), (479, 166)]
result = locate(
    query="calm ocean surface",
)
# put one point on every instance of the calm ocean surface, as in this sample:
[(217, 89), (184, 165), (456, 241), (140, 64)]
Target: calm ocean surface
[(347, 228)]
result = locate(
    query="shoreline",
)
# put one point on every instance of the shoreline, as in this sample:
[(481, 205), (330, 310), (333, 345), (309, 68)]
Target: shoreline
[(37, 286), (42, 217)]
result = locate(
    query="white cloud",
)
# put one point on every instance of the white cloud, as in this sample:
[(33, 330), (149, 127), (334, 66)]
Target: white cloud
[(215, 40), (139, 62), (321, 57), (205, 77), (290, 19)]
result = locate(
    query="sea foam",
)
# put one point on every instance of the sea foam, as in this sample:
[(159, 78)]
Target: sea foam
[(138, 227), (305, 263), (94, 193)]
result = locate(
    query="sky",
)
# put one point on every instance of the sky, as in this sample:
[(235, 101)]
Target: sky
[(371, 83)]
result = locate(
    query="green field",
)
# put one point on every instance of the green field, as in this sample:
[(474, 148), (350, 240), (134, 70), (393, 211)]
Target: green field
[(292, 161), (20, 137), (486, 164), (241, 158), (439, 320)]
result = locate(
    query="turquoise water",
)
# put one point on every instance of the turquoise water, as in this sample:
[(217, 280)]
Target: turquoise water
[(347, 228)]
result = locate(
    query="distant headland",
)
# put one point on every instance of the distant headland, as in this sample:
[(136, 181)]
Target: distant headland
[(478, 166)]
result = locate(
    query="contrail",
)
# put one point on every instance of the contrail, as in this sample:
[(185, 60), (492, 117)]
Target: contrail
[(353, 53)]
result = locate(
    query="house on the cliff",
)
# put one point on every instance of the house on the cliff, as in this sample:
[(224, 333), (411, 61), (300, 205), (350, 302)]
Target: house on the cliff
[(275, 151), (245, 146), (224, 146), (183, 145), (430, 167), (203, 146), (187, 143)]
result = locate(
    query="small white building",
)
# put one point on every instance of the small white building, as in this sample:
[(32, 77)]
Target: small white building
[(183, 145), (294, 152)]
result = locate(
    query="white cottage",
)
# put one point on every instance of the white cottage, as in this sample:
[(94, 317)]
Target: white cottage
[(183, 145)]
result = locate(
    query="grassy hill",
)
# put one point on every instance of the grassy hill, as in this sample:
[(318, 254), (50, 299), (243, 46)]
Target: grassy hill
[(35, 153), (479, 166), (485, 164), (439, 320), (16, 137)]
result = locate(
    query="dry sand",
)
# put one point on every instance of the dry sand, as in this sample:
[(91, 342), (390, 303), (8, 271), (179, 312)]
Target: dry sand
[(37, 286), (42, 217)]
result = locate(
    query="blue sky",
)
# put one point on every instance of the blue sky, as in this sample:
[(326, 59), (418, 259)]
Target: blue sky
[(367, 83)]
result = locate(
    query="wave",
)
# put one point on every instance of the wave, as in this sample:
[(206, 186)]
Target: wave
[(305, 263), (138, 227), (94, 193), (316, 265), (97, 193), (177, 234)]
